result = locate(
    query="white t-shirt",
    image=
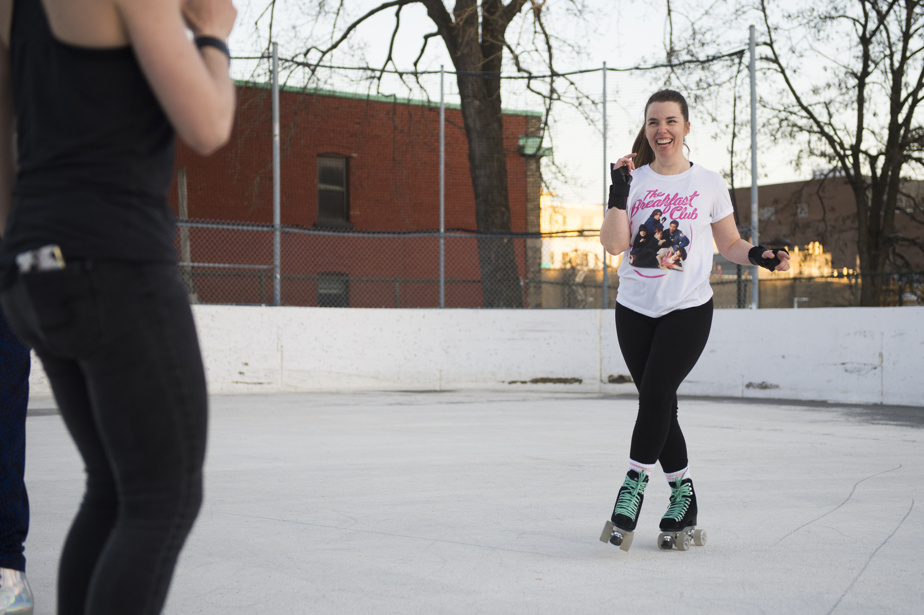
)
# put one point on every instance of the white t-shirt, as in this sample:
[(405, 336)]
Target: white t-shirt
[(669, 260)]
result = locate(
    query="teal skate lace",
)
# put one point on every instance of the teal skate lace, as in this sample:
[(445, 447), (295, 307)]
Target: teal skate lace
[(628, 499), (680, 501)]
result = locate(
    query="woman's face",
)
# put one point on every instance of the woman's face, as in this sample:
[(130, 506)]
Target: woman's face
[(665, 129)]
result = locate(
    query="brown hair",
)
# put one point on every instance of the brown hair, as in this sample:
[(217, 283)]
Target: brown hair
[(643, 153)]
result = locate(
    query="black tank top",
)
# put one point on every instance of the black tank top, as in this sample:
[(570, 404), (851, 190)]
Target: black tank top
[(95, 150)]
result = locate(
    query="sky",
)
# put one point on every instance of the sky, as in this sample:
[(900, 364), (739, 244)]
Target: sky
[(618, 32)]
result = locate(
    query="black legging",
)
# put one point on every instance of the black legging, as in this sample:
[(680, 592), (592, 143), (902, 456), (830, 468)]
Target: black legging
[(660, 352), (118, 343)]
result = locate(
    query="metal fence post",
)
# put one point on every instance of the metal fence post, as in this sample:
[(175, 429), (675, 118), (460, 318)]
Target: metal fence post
[(277, 239), (606, 281), (755, 283), (185, 251), (442, 193)]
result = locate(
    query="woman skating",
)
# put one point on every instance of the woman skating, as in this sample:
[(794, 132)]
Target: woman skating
[(663, 316)]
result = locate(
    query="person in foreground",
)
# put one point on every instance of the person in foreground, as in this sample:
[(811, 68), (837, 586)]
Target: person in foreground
[(663, 315), (92, 93)]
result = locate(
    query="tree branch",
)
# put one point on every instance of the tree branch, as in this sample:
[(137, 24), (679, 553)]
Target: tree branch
[(349, 30), (849, 170)]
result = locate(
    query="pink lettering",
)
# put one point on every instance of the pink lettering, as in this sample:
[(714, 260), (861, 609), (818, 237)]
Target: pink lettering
[(673, 207)]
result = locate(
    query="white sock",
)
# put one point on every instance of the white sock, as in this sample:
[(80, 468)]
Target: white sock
[(673, 476), (639, 467)]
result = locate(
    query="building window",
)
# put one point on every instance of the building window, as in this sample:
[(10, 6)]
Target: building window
[(765, 214), (333, 290), (333, 193), (802, 210)]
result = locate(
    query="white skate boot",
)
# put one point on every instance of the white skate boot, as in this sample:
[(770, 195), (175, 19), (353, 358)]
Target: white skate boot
[(15, 594)]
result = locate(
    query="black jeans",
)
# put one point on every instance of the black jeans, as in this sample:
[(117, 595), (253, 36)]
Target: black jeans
[(119, 346), (14, 401), (660, 353)]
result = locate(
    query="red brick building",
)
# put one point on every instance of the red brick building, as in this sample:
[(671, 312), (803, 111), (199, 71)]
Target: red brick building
[(825, 211), (359, 185)]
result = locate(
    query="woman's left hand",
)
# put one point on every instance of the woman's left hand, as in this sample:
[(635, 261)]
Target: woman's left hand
[(783, 255)]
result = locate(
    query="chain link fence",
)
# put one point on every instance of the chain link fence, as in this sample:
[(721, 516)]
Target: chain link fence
[(238, 269), (372, 202), (386, 269)]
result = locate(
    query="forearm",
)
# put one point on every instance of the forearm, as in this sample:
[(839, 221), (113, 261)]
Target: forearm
[(614, 233), (737, 252), (213, 19), (223, 103)]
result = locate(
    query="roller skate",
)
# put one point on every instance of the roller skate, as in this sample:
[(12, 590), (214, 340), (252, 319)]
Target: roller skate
[(620, 528), (15, 594), (678, 524)]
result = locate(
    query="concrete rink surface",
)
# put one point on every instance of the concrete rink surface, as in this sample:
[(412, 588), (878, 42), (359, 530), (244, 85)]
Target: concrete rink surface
[(493, 502)]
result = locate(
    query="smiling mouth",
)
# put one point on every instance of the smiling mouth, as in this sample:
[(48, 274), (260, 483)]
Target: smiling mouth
[(664, 141)]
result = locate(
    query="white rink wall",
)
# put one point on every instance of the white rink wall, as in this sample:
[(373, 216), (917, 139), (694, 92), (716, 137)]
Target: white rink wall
[(847, 355)]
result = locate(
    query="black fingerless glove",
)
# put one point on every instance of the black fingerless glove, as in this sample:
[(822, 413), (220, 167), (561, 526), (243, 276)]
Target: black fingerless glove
[(619, 190), (755, 255)]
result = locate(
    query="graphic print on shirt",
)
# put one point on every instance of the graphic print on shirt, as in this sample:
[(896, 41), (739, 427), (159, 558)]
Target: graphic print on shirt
[(664, 238)]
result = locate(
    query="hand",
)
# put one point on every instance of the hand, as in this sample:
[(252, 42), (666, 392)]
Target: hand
[(772, 260), (619, 189), (622, 176), (210, 17), (626, 161), (783, 255)]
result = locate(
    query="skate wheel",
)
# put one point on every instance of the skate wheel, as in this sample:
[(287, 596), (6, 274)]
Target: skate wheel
[(607, 532), (699, 538), (683, 542), (616, 536), (666, 541), (625, 540)]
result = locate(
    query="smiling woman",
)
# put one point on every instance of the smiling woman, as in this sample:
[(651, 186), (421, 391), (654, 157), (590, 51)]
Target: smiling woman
[(667, 123), (674, 210)]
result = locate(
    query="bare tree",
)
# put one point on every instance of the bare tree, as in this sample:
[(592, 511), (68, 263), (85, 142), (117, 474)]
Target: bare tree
[(843, 81), (474, 33), (862, 123)]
